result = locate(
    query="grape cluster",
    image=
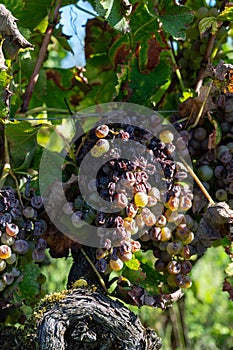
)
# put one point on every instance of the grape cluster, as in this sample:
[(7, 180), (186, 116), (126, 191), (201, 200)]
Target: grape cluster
[(151, 194), (191, 53), (20, 234), (214, 165)]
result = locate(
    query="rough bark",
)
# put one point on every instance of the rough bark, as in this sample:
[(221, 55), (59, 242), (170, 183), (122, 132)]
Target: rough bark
[(90, 320)]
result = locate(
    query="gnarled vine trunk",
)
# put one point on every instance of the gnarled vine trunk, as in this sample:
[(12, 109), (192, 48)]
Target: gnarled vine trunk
[(90, 320)]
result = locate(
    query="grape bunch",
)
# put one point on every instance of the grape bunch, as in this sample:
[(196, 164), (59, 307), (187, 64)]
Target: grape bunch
[(150, 193), (21, 234)]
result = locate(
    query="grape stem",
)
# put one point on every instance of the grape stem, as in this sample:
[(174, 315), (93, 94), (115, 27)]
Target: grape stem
[(202, 107), (94, 268), (199, 183)]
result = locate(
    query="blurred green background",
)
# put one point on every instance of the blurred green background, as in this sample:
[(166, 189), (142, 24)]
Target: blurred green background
[(203, 320)]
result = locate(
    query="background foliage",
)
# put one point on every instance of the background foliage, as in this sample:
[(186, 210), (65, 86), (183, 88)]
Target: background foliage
[(152, 53)]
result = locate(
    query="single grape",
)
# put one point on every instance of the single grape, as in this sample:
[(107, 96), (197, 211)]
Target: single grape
[(101, 265), (2, 265), (173, 203), (140, 199), (150, 220), (102, 131), (135, 246), (29, 212), (37, 202), (155, 233), (131, 210), (7, 240), (8, 278), (12, 259), (21, 246), (126, 257), (161, 221), (40, 227), (189, 239), (182, 232), (166, 234), (221, 195), (101, 147), (160, 265), (5, 251), (12, 230), (205, 172), (174, 267), (38, 255), (41, 244), (174, 248), (116, 265), (186, 267), (183, 281), (166, 136), (200, 134)]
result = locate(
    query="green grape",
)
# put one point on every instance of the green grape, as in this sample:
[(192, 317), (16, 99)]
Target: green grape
[(202, 12), (205, 172), (166, 136), (213, 12), (221, 195), (101, 147), (6, 239), (2, 265), (12, 259)]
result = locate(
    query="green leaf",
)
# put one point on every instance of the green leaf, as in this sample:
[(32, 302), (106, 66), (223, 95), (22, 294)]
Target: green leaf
[(145, 85), (175, 20), (29, 287), (208, 23), (133, 264), (21, 138), (32, 13), (111, 10)]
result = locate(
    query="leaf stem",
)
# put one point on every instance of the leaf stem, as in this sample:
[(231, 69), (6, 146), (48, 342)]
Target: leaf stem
[(199, 183), (202, 107), (178, 74), (94, 268)]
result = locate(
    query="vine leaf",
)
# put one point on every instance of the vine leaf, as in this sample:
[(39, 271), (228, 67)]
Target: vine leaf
[(208, 23), (28, 288), (175, 20), (112, 11), (22, 142)]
